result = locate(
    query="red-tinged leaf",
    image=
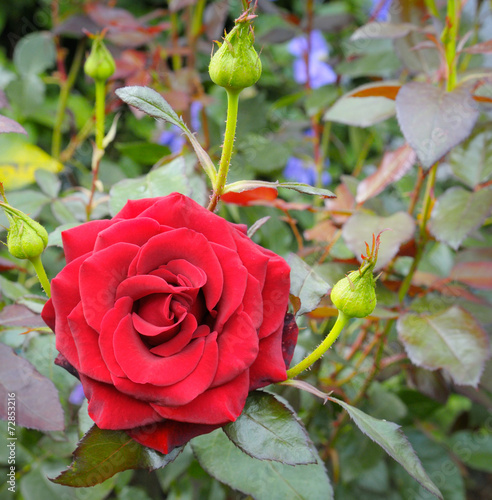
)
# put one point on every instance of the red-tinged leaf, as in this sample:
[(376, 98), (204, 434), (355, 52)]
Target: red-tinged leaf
[(7, 125), (101, 453), (342, 207), (388, 91), (451, 340), (474, 274), (289, 338), (36, 399), (482, 98), (19, 315), (394, 166), (7, 265), (434, 121), (246, 198), (480, 48), (323, 231)]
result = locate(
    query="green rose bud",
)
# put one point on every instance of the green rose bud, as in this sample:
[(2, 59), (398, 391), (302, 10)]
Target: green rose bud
[(100, 64), (26, 238), (355, 295), (236, 65)]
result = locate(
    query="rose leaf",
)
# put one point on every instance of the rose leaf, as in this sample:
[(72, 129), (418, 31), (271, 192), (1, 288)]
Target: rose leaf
[(268, 430), (8, 125), (102, 453), (389, 436), (306, 284), (36, 399), (432, 120), (457, 213), (20, 315), (451, 340), (263, 480), (477, 274)]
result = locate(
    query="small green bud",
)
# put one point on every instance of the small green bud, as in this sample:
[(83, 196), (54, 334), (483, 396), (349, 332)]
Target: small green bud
[(355, 295), (26, 238), (100, 64), (236, 65)]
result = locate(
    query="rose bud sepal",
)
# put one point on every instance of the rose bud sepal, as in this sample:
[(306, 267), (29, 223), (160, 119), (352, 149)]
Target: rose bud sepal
[(100, 64)]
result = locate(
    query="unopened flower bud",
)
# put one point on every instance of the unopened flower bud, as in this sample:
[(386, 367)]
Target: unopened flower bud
[(236, 65), (100, 64), (26, 238), (355, 295)]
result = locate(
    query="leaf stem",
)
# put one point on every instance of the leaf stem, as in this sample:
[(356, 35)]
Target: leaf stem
[(43, 279), (100, 111), (339, 325), (449, 37), (225, 160)]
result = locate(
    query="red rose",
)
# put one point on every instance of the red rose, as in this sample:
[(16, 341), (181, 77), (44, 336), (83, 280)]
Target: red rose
[(170, 315)]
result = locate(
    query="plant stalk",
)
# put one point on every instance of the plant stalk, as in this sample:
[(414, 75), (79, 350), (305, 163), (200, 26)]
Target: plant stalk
[(43, 279)]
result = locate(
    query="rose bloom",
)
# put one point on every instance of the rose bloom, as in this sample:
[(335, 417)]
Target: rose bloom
[(169, 315)]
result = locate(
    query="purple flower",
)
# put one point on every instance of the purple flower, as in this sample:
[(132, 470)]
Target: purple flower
[(173, 139), (195, 109), (320, 72), (302, 171), (77, 395), (380, 9)]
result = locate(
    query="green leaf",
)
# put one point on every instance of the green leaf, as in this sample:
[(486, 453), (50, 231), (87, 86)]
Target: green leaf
[(101, 453), (49, 183), (306, 284), (152, 103), (362, 225), (263, 480), (434, 121), (457, 213), (268, 430), (145, 153), (307, 189), (389, 436), (173, 177), (473, 449), (362, 111), (241, 186), (12, 289), (451, 340), (376, 30), (35, 53), (472, 161)]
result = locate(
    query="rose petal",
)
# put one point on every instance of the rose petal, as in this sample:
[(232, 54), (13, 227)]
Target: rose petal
[(135, 231), (188, 244), (111, 409), (184, 391), (269, 366), (167, 435), (219, 405), (177, 210), (289, 338), (133, 208), (87, 343), (100, 275), (238, 348), (81, 239), (112, 319), (140, 286), (178, 342), (253, 301), (48, 314), (143, 367), (235, 280)]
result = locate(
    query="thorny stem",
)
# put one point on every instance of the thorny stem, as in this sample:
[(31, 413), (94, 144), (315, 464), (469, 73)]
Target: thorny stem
[(43, 279), (225, 160), (449, 37), (339, 325)]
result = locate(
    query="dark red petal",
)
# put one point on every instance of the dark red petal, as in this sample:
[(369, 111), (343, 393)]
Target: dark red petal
[(253, 301), (48, 314), (167, 435), (81, 239), (182, 392), (289, 338), (87, 343), (133, 208), (64, 298), (255, 261), (112, 319), (238, 348), (177, 210), (140, 286), (111, 409), (179, 341), (143, 367), (135, 231), (100, 275), (235, 280), (269, 366), (219, 405), (183, 244)]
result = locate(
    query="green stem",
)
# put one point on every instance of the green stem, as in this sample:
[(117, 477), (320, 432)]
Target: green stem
[(339, 325), (63, 99), (425, 215), (100, 111), (449, 37), (225, 160), (43, 279)]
